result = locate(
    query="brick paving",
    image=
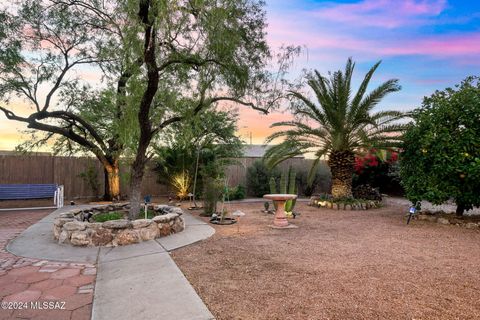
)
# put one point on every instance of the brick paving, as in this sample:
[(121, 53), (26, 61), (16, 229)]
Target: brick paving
[(45, 289)]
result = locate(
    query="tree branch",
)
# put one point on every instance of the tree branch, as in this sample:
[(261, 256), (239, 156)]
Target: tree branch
[(201, 105), (66, 132)]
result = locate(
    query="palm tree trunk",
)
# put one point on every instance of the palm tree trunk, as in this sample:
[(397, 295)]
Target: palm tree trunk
[(341, 165)]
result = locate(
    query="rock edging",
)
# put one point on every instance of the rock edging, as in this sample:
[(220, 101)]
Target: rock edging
[(358, 205), (73, 227), (448, 220)]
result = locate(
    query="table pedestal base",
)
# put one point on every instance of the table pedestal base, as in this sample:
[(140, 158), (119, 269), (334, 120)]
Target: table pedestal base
[(280, 220)]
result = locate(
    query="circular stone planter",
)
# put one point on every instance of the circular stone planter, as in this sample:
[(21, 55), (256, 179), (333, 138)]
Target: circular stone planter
[(78, 228)]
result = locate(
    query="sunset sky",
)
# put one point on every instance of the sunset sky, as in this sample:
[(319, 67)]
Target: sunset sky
[(427, 44)]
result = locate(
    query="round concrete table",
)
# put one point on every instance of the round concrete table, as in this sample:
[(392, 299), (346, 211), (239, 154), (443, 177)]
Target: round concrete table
[(280, 220)]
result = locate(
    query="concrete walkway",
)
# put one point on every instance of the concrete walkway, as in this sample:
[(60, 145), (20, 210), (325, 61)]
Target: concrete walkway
[(139, 281)]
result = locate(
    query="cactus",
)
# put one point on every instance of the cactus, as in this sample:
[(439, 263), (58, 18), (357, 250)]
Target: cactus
[(287, 185), (283, 183), (266, 205), (273, 185), (273, 189), (292, 189)]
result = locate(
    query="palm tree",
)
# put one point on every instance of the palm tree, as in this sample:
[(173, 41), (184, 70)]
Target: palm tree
[(338, 126)]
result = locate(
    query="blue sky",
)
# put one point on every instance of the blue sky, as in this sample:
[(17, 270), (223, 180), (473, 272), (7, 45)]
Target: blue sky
[(426, 44)]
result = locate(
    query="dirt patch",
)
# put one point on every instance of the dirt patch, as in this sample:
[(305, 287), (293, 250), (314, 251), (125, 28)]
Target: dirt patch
[(336, 265)]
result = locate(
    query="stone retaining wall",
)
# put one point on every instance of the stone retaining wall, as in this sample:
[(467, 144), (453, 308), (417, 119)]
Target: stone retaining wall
[(78, 228)]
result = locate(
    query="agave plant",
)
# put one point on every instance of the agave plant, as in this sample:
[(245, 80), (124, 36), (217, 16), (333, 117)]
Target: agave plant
[(338, 126)]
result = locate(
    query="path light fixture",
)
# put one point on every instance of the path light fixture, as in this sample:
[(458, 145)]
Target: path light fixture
[(238, 214), (413, 211), (147, 199)]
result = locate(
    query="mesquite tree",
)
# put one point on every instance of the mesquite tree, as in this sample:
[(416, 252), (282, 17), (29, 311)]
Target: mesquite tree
[(161, 62), (195, 54), (44, 45)]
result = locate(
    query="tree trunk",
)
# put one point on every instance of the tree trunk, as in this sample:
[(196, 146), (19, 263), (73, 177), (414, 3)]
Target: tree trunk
[(341, 165), (144, 121), (136, 177), (460, 209), (135, 192), (112, 182)]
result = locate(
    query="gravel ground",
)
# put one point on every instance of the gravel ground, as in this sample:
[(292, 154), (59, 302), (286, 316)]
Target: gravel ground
[(336, 265)]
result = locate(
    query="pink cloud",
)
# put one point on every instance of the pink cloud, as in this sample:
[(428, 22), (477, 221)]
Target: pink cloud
[(282, 31), (383, 13), (455, 45)]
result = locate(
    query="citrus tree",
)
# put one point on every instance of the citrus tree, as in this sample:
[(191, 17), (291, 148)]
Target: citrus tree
[(441, 157)]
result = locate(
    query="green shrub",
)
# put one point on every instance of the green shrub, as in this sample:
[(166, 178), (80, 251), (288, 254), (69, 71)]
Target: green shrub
[(212, 193), (150, 214), (90, 177), (258, 177), (322, 181), (107, 216), (236, 193), (441, 157)]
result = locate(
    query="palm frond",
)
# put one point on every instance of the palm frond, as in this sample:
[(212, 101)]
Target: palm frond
[(362, 89), (281, 152), (374, 97)]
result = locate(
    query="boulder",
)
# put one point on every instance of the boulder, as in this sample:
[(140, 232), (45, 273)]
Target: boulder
[(149, 233), (64, 237), (74, 226), (80, 238), (56, 232), (94, 225), (67, 215), (160, 219), (141, 223), (61, 221), (162, 208), (471, 225), (178, 225), (117, 224), (102, 237), (164, 229), (177, 210), (443, 221), (125, 237)]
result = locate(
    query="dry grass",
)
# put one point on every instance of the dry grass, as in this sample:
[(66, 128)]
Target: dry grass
[(336, 265)]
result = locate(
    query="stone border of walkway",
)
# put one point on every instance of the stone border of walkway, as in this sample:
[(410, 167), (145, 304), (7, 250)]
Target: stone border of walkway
[(138, 281)]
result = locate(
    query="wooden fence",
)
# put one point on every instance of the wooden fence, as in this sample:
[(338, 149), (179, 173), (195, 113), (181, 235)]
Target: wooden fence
[(45, 168)]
